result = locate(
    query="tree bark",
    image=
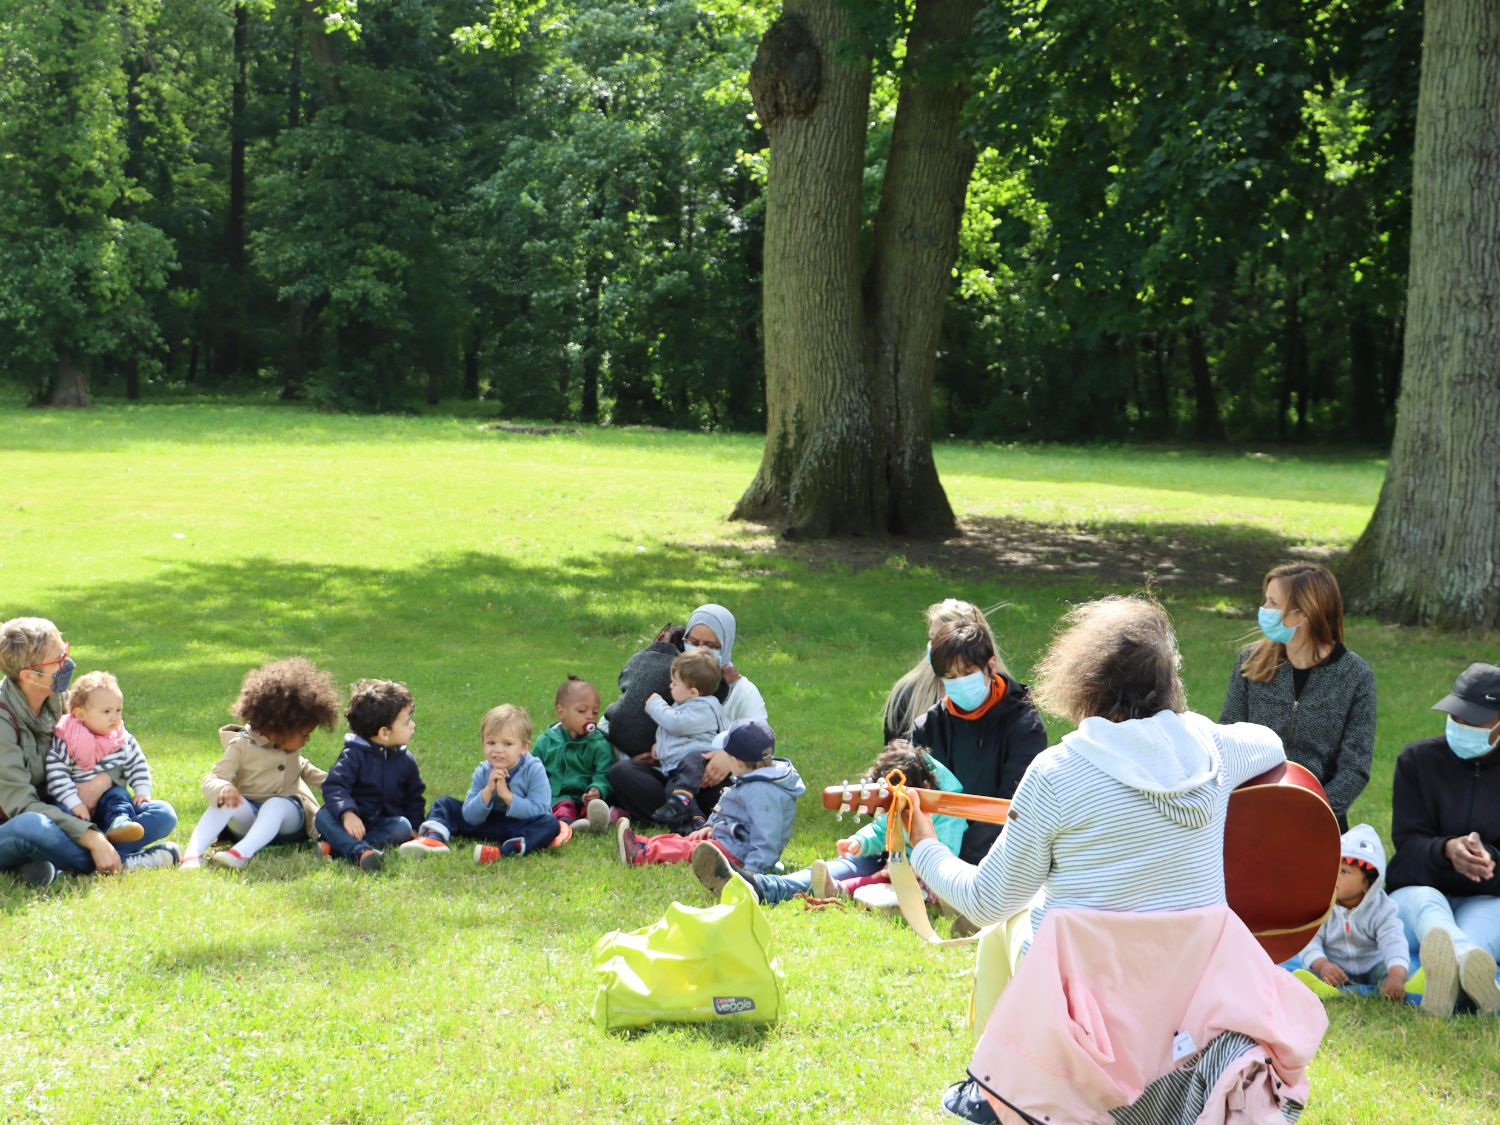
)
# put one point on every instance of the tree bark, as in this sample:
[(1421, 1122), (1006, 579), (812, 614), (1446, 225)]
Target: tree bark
[(1205, 407), (912, 253), (71, 387), (822, 471), (471, 366), (1431, 553)]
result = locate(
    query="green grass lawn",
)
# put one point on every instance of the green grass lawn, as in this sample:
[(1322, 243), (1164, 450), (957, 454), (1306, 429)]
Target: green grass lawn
[(178, 546)]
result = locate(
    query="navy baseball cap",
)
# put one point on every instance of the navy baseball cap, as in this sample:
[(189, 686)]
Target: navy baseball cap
[(749, 740), (1475, 697)]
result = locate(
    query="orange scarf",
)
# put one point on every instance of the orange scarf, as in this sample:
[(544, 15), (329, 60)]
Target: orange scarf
[(997, 693)]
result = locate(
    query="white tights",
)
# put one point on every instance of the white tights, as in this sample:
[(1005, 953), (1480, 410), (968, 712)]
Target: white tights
[(277, 815)]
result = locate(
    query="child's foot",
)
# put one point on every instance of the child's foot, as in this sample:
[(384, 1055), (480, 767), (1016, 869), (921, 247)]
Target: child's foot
[(1440, 961), (1319, 986), (369, 860), (693, 824), (676, 809), (230, 859), (712, 868), (38, 873), (325, 849), (424, 845), (123, 830), (486, 853), (191, 863), (517, 846), (629, 846), (820, 880), (564, 834), (162, 855), (1477, 972), (598, 816)]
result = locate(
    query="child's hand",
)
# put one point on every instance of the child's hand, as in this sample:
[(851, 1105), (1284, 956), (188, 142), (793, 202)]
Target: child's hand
[(657, 696), (354, 826), (590, 794), (230, 796), (139, 800), (850, 848), (80, 811), (1330, 972), (1394, 985), (704, 833)]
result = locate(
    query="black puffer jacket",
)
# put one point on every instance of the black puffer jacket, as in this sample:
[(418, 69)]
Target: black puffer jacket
[(1330, 729), (988, 755), (1437, 796)]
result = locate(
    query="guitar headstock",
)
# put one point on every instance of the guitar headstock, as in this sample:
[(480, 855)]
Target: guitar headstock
[(862, 798)]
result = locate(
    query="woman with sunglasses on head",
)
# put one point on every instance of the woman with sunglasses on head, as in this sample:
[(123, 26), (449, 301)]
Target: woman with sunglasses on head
[(39, 838), (1302, 682)]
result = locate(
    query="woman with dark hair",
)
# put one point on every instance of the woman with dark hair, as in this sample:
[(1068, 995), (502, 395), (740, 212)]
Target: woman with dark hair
[(1302, 682), (913, 695), (1126, 813)]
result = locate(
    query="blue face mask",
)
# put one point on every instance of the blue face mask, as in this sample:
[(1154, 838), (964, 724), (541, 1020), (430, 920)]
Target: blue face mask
[(1271, 626), (1468, 742), (63, 676), (967, 692), (715, 653)]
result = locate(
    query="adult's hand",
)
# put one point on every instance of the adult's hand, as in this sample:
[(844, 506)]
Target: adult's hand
[(1470, 857), (731, 673), (95, 787), (717, 768), (648, 758), (921, 826), (106, 859)]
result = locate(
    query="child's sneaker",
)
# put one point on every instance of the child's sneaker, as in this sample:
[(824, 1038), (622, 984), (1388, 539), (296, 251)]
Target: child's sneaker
[(162, 855), (325, 849), (823, 884), (598, 816), (517, 846), (486, 853), (38, 873), (424, 845), (1477, 972), (123, 830), (1319, 986), (1440, 962), (712, 868), (191, 863), (230, 859), (564, 834), (369, 860), (677, 808), (629, 846)]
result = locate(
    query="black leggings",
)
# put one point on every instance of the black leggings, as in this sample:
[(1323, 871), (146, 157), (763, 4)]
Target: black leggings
[(640, 790)]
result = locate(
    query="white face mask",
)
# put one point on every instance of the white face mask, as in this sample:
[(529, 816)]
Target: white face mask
[(1467, 742)]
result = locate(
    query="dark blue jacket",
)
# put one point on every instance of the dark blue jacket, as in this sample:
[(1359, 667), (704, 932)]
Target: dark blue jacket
[(375, 781)]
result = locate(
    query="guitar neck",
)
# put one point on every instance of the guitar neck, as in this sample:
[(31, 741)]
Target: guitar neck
[(870, 798)]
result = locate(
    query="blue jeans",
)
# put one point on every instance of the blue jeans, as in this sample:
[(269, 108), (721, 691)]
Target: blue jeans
[(448, 814), (157, 817), (32, 836), (114, 803), (779, 888), (381, 832), (1471, 919)]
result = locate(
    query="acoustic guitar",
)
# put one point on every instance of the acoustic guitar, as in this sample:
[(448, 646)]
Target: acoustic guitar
[(1281, 847)]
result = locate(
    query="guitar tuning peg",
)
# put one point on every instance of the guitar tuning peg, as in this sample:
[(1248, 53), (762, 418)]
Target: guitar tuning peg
[(838, 816)]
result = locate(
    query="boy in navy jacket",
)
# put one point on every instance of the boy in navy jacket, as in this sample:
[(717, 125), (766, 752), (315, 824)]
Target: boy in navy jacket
[(373, 795)]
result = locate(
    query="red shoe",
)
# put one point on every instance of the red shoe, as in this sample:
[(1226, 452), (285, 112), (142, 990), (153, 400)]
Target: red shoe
[(565, 833), (424, 845), (486, 853), (325, 849)]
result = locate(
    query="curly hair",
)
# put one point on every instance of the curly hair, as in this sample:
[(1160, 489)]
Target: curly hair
[(288, 697), (1116, 658), (374, 704), (900, 754), (85, 686)]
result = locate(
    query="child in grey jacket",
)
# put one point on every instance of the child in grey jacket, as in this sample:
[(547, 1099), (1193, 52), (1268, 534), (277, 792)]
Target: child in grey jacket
[(685, 732), (1362, 942), (752, 822)]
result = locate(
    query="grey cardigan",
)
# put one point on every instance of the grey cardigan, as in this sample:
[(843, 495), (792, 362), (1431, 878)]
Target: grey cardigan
[(1330, 730)]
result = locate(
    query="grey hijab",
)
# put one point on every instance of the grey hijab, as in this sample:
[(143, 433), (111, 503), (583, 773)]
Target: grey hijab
[(721, 621)]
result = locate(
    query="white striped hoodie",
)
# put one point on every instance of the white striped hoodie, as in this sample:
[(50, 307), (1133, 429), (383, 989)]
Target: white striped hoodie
[(1117, 816)]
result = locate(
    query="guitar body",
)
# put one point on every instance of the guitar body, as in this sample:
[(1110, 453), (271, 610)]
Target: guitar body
[(1281, 847)]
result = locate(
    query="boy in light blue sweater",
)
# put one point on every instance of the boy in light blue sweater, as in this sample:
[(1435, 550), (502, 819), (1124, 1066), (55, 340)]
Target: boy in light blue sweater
[(508, 801)]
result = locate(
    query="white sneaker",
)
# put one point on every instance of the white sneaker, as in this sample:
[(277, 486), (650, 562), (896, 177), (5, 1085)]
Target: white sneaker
[(819, 887), (424, 845), (1478, 976), (162, 855), (230, 859), (598, 816), (191, 863), (1440, 963)]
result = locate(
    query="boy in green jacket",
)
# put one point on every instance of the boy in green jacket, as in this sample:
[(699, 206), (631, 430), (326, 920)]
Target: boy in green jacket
[(578, 758)]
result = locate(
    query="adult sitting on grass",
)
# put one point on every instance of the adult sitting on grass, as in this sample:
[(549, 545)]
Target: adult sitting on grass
[(40, 838), (1302, 682), (1126, 813), (649, 672), (914, 693), (1445, 823), (640, 787)]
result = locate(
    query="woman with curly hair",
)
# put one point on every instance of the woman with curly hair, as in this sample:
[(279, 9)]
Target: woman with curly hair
[(259, 790)]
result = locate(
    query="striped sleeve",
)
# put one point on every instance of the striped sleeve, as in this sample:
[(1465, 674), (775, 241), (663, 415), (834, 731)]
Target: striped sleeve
[(61, 771), (137, 770)]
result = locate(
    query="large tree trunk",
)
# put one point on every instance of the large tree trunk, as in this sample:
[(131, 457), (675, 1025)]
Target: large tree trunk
[(71, 387), (911, 259), (822, 471), (1431, 553)]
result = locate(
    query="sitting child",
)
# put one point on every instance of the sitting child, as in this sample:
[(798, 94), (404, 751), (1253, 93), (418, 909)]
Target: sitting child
[(507, 802), (373, 795), (259, 789), (577, 757), (1363, 941), (862, 856), (89, 740), (685, 731), (751, 823)]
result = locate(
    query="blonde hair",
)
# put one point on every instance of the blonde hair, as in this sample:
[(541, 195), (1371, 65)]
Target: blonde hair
[(1115, 658), (698, 668), (23, 642), (921, 687), (506, 717), (1311, 590), (85, 686)]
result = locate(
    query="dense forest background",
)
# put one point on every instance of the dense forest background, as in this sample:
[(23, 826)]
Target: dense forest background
[(1188, 221)]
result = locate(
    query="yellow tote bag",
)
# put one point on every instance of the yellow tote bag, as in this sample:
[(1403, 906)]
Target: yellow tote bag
[(693, 966)]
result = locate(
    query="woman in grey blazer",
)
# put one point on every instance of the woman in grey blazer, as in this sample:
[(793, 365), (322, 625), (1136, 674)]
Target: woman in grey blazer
[(1302, 682)]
